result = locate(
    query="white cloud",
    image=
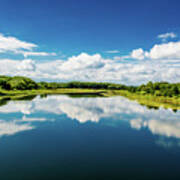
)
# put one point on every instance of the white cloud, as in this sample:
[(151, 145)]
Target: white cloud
[(26, 65), (165, 51), (16, 46), (13, 44), (112, 51), (138, 54), (28, 53), (85, 67), (83, 61), (165, 36), (170, 50)]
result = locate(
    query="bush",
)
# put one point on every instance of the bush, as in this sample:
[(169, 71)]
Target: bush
[(21, 83)]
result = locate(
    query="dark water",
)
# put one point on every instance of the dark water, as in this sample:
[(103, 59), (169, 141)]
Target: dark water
[(59, 137)]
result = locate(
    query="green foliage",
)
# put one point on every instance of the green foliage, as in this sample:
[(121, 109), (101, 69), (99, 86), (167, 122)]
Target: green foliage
[(156, 89), (160, 89), (17, 83)]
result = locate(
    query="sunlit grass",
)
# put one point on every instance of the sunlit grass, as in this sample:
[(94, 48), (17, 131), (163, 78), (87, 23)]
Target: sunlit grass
[(146, 99)]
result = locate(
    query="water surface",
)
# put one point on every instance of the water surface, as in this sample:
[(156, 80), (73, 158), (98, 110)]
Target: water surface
[(59, 137)]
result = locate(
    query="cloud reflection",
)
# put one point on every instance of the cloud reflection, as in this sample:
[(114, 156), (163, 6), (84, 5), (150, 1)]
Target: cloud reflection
[(10, 128), (160, 122)]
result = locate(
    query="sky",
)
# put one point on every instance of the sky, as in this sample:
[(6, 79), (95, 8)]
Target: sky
[(121, 41)]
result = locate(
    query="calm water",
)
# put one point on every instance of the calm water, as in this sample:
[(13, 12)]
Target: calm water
[(59, 137)]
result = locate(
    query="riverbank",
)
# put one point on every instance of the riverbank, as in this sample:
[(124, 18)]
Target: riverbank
[(148, 100)]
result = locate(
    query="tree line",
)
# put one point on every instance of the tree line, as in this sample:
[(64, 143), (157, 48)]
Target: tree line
[(156, 88)]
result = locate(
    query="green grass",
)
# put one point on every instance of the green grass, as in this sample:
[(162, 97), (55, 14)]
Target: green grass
[(149, 100), (146, 99), (18, 94)]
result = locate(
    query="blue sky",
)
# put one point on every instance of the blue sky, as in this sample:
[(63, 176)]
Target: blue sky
[(111, 29)]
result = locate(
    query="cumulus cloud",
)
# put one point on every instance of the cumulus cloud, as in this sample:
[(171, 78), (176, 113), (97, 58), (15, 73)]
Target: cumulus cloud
[(12, 44), (170, 50), (95, 68), (83, 61), (26, 65), (166, 36), (138, 54), (85, 67)]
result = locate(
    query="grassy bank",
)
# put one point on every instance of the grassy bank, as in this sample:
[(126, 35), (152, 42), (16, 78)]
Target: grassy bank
[(148, 100), (21, 94)]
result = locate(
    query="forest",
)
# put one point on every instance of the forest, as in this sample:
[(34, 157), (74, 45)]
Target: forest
[(153, 88)]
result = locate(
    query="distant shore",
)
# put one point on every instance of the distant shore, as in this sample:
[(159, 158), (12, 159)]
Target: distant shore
[(153, 95)]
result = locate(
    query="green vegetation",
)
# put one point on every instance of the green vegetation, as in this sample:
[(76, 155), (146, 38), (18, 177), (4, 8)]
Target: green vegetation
[(156, 89), (149, 100), (151, 94), (17, 83)]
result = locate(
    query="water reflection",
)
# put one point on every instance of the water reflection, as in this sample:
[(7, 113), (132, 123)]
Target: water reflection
[(19, 116), (10, 128)]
